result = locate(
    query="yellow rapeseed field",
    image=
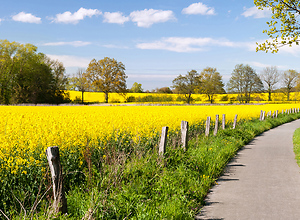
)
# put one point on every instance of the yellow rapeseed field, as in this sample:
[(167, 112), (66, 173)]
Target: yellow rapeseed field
[(198, 98), (26, 131)]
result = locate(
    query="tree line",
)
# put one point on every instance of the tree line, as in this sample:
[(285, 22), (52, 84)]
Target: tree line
[(244, 81), (29, 77), (108, 75)]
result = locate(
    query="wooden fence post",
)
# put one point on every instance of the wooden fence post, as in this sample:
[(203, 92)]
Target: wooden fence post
[(277, 114), (163, 141), (223, 121), (60, 202), (263, 116), (216, 125), (261, 113), (184, 134), (234, 122), (207, 126)]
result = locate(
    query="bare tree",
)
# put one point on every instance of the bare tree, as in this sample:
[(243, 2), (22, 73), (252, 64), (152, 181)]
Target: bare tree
[(80, 82), (289, 81), (270, 76)]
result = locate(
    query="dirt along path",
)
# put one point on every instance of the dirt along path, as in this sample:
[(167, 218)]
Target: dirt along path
[(261, 182)]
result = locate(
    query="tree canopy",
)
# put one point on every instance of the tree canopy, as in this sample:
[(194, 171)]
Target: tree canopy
[(211, 83), (136, 88), (107, 76), (29, 77), (244, 81), (284, 28), (187, 84)]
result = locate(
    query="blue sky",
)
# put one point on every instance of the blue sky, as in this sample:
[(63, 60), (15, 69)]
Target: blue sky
[(156, 40)]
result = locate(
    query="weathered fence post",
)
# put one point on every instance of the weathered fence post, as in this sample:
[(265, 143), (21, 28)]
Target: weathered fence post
[(282, 111), (216, 125), (277, 114), (261, 113), (263, 116), (223, 121), (207, 126), (163, 141), (273, 116), (60, 202), (234, 122), (184, 134)]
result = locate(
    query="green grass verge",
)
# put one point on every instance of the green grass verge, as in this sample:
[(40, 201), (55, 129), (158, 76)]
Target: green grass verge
[(173, 187), (146, 186), (296, 141)]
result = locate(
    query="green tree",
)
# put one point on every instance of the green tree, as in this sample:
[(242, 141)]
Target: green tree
[(284, 28), (270, 76), (27, 76), (164, 90), (80, 82), (211, 83), (107, 75), (187, 84), (136, 88), (289, 81), (244, 81), (9, 53)]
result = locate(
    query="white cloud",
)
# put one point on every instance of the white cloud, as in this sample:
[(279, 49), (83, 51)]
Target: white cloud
[(294, 50), (263, 65), (186, 44), (27, 18), (257, 13), (68, 17), (72, 43), (71, 61), (199, 8), (115, 17), (148, 17)]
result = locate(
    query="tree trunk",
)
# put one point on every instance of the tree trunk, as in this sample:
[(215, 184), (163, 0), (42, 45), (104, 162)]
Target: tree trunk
[(82, 97), (270, 94), (189, 98), (106, 97)]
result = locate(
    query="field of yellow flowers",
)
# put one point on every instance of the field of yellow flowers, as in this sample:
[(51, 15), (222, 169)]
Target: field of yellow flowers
[(96, 97), (26, 131), (113, 145)]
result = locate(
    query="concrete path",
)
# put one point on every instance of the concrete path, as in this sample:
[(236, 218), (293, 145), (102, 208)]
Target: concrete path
[(261, 182)]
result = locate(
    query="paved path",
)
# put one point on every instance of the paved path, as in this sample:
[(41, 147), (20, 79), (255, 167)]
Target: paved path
[(261, 182)]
